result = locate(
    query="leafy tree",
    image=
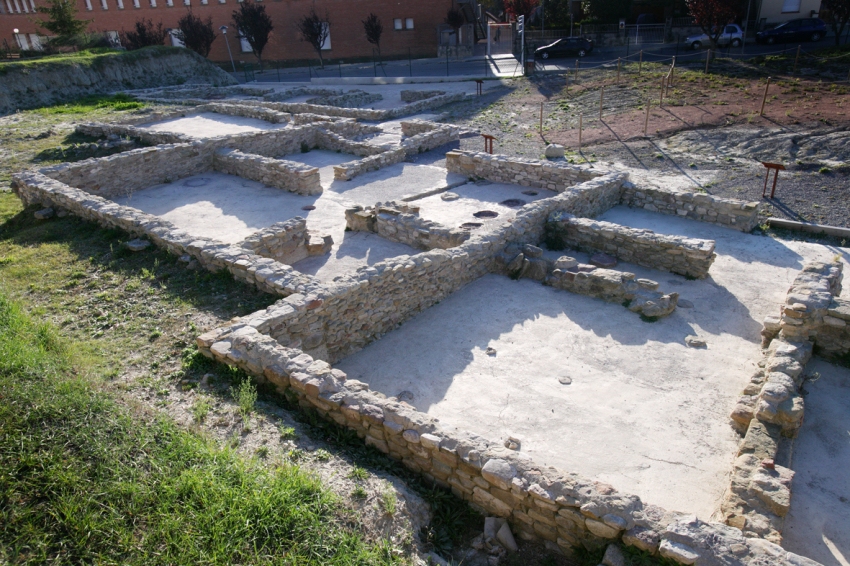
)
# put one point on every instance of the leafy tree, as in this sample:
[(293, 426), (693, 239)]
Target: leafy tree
[(840, 11), (712, 15), (455, 20), (254, 25), (315, 30), (515, 8), (195, 33), (144, 35), (62, 21), (608, 11), (557, 14), (374, 29)]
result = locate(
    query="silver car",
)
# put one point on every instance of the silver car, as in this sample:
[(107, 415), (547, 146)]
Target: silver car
[(732, 35)]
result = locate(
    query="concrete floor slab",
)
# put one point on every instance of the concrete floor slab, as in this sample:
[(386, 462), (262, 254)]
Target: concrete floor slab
[(351, 251), (475, 198), (324, 160), (818, 525), (643, 412), (210, 125)]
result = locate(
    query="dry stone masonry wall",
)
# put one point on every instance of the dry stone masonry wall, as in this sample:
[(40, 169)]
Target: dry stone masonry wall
[(287, 242), (351, 99), (518, 171), (686, 256), (417, 95), (739, 215), (368, 114), (289, 175), (401, 222)]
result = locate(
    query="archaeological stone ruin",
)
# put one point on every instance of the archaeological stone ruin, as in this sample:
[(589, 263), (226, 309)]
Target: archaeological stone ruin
[(488, 289)]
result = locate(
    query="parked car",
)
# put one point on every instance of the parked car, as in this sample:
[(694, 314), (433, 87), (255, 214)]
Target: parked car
[(580, 46), (804, 29), (732, 35)]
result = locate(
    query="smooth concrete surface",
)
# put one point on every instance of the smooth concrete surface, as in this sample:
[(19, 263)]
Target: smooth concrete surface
[(818, 525), (643, 412), (211, 125), (476, 198), (351, 251), (324, 160)]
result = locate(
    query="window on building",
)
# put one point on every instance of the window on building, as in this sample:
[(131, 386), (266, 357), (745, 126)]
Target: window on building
[(103, 5), (36, 42), (243, 44), (136, 4), (153, 3), (21, 40), (120, 4), (326, 29), (17, 7), (169, 3), (187, 2), (408, 23), (88, 5), (397, 24), (175, 40), (791, 7), (114, 38)]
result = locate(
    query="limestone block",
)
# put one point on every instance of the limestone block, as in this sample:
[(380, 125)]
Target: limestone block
[(498, 472)]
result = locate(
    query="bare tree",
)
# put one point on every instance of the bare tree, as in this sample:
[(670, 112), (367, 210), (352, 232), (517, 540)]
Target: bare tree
[(374, 29), (254, 25), (195, 33), (455, 20), (840, 12), (315, 30), (144, 35)]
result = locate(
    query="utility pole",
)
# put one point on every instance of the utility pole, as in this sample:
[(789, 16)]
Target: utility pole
[(746, 21), (520, 24)]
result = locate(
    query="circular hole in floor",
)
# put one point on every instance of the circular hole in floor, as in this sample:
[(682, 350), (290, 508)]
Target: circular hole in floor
[(513, 202), (471, 225), (485, 214), (530, 193), (198, 182), (308, 207)]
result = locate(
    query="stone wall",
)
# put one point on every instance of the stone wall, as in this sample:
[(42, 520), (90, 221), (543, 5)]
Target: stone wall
[(516, 170), (400, 222), (350, 169), (736, 214), (563, 509), (771, 408), (289, 175), (256, 112), (367, 114), (687, 256), (421, 136), (351, 99), (100, 130), (124, 173), (833, 341), (287, 242), (417, 95)]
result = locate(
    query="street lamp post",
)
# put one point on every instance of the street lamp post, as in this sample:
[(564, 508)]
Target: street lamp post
[(223, 30)]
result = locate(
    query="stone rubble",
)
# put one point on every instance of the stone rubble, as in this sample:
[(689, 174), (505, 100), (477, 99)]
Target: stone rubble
[(399, 222)]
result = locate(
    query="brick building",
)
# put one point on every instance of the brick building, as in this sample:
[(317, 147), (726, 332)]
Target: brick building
[(410, 26)]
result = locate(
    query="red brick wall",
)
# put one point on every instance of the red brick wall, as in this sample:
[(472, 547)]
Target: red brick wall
[(346, 29)]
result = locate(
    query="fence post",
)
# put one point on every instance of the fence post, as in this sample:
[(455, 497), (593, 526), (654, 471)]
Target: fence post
[(646, 120), (618, 70), (640, 65), (672, 70), (707, 56), (576, 79), (601, 95), (627, 46), (580, 118), (764, 98), (541, 118), (661, 100), (797, 58)]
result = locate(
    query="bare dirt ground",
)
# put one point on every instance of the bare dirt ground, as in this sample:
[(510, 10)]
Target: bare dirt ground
[(708, 136)]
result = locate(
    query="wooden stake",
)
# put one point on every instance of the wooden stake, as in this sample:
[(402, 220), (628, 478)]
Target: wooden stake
[(672, 69), (764, 98), (640, 65), (541, 118), (601, 96), (580, 118), (618, 70), (661, 100), (576, 79), (707, 55), (797, 58), (646, 120)]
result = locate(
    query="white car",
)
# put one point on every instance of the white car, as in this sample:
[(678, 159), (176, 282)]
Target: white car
[(732, 35)]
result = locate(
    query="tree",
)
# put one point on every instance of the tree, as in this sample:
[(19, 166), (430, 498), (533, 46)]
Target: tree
[(195, 33), (557, 14), (145, 35), (840, 12), (62, 21), (315, 30), (515, 8), (254, 25), (373, 28), (608, 11), (455, 20), (712, 15)]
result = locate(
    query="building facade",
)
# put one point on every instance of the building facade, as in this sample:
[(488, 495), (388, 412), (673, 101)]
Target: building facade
[(410, 26)]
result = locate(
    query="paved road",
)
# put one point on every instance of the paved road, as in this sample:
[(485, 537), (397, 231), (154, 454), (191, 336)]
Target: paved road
[(505, 65)]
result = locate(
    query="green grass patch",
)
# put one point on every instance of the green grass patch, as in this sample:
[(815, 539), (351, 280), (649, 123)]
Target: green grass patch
[(116, 102), (84, 481)]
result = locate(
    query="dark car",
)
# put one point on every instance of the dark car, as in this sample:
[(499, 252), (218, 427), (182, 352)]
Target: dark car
[(804, 29), (566, 46)]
